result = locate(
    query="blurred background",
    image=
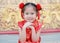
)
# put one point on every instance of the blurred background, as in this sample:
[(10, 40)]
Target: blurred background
[(10, 15)]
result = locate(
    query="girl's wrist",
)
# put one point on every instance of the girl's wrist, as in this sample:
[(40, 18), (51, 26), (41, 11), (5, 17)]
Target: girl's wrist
[(23, 29), (32, 28)]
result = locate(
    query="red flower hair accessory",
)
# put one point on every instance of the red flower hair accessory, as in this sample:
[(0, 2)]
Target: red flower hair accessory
[(38, 7), (21, 5)]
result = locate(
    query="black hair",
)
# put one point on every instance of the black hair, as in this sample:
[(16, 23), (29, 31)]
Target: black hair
[(32, 4)]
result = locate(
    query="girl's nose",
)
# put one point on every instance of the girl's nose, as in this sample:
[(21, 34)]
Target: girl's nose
[(29, 16)]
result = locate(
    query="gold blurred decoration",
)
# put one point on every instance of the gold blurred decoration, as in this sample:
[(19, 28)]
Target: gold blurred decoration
[(10, 14)]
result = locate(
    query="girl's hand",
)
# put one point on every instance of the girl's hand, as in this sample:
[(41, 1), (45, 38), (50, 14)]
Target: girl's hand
[(27, 24), (32, 27)]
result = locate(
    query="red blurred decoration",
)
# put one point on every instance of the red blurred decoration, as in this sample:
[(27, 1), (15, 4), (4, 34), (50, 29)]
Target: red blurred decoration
[(38, 7), (21, 5)]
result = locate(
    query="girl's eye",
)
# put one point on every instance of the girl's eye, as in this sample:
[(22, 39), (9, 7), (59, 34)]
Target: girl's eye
[(32, 13), (27, 13)]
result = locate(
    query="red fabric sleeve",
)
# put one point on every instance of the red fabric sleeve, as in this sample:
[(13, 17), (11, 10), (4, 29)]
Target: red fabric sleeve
[(39, 26), (20, 24)]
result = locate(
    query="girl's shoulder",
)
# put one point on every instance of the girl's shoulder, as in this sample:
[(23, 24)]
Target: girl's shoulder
[(38, 26), (40, 23), (21, 23)]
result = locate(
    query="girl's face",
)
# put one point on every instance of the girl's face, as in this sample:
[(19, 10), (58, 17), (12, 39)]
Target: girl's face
[(29, 14)]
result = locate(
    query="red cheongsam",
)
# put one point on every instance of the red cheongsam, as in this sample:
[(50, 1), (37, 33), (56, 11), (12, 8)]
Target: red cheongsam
[(37, 26)]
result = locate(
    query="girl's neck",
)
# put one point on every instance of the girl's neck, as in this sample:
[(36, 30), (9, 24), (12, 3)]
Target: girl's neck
[(33, 21)]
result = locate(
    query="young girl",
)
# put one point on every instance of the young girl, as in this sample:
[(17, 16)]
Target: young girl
[(29, 28)]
